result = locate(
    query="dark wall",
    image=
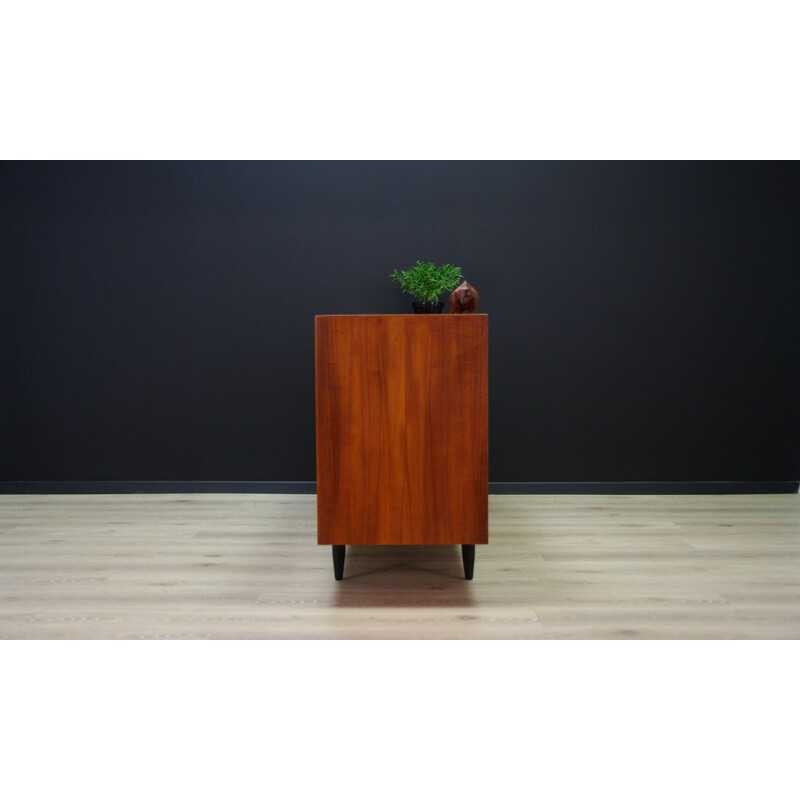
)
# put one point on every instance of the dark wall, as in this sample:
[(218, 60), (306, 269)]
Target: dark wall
[(158, 317)]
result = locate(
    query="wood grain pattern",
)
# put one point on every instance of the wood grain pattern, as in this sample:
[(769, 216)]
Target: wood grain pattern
[(402, 429), (248, 567)]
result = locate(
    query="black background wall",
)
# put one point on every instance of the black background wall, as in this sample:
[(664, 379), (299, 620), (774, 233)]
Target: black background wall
[(157, 318)]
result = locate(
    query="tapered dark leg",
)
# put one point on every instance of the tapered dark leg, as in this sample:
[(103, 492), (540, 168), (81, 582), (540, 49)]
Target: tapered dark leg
[(338, 561), (468, 556)]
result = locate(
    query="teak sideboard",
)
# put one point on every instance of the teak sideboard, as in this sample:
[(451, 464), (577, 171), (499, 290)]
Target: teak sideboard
[(402, 431)]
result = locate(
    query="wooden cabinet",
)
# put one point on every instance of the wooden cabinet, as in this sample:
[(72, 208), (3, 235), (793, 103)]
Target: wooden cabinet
[(402, 431)]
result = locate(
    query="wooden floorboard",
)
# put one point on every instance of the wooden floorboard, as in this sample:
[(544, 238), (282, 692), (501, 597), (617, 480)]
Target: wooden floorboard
[(248, 567)]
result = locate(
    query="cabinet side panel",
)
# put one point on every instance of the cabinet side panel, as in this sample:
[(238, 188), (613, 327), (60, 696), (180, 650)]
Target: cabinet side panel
[(402, 450), (456, 429)]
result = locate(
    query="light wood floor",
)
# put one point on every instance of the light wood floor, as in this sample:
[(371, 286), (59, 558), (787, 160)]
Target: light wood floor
[(248, 567)]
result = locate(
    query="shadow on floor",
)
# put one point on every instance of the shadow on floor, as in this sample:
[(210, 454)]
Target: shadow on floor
[(401, 575)]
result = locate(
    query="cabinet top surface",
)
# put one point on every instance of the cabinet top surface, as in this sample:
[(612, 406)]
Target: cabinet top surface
[(410, 316)]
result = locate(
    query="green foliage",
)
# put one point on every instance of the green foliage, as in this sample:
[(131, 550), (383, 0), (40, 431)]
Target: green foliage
[(426, 281)]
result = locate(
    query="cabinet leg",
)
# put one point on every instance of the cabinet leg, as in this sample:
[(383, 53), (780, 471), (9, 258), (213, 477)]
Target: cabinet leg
[(468, 557), (338, 561)]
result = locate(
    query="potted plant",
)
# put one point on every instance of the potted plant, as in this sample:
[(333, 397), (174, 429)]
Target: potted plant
[(427, 282)]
